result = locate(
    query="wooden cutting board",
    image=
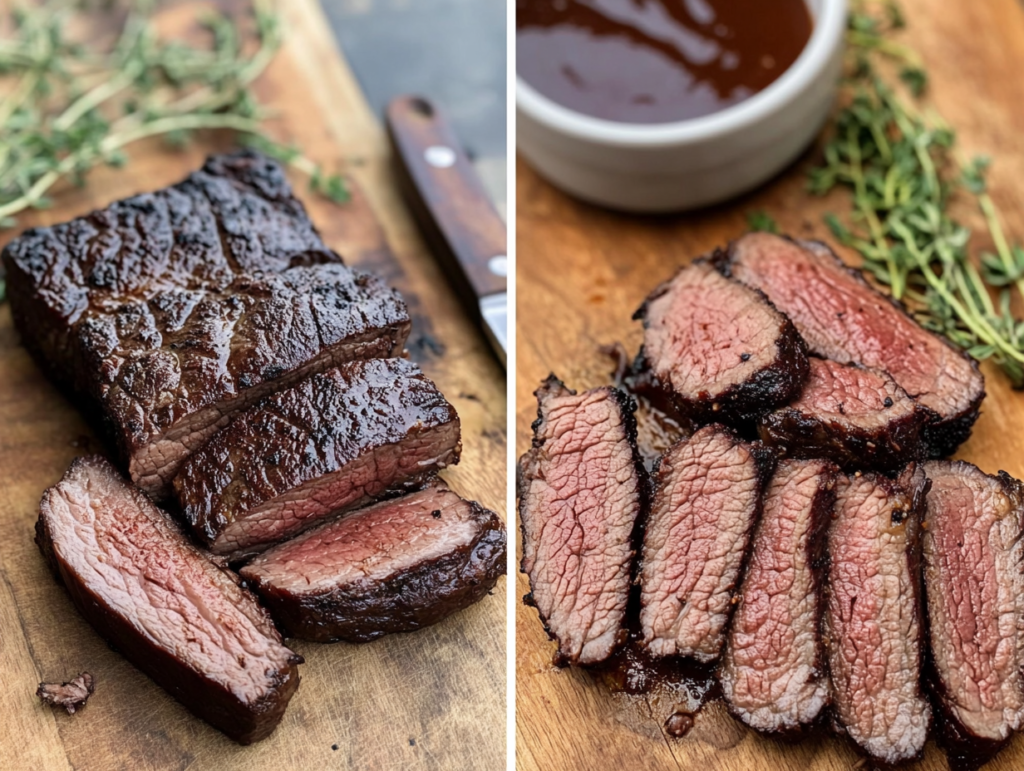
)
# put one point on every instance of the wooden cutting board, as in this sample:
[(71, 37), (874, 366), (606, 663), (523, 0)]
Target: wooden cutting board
[(581, 274), (430, 700)]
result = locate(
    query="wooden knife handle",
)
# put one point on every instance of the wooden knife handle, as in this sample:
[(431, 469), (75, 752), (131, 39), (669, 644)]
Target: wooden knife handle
[(463, 228)]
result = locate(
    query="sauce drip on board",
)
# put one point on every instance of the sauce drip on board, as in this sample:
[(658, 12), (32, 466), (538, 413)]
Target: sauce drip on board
[(656, 61)]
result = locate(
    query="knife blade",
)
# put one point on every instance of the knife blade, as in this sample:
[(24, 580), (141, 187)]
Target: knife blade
[(463, 229)]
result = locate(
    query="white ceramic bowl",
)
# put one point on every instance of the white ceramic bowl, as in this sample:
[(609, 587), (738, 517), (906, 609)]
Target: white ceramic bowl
[(687, 164)]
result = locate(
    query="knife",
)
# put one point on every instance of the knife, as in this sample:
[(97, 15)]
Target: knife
[(461, 225)]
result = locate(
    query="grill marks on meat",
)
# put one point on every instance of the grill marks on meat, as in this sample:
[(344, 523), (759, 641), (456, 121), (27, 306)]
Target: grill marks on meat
[(722, 349), (841, 317), (182, 620), (873, 623), (852, 415), (396, 566), (974, 587), (773, 671), (706, 502), (580, 493), (165, 312), (335, 441)]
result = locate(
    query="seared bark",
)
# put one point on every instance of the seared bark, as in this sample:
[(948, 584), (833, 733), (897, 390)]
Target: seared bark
[(857, 417), (720, 348), (335, 441), (843, 318), (164, 313), (396, 566), (181, 619)]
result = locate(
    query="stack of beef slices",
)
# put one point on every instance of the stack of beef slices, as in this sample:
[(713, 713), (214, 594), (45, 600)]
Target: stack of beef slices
[(805, 540), (249, 379)]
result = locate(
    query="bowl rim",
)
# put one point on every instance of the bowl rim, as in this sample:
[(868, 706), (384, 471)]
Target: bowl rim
[(827, 35)]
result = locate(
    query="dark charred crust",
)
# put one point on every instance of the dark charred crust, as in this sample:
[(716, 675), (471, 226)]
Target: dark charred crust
[(941, 436), (406, 601), (798, 435), (743, 402), (553, 386), (244, 722), (118, 306), (349, 414), (965, 750)]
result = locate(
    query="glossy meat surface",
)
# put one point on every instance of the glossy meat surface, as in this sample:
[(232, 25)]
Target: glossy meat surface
[(395, 566), (165, 312), (184, 621), (334, 441)]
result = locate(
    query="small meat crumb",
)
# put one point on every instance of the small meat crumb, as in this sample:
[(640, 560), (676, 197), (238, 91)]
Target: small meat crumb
[(71, 696), (679, 724)]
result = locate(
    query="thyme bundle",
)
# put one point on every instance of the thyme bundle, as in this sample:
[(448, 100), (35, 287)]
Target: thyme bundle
[(67, 106), (903, 170)]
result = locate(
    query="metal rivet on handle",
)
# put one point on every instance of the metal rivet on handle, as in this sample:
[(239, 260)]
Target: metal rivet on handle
[(498, 265), (439, 156)]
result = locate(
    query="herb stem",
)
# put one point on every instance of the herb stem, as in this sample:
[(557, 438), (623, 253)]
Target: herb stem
[(995, 229)]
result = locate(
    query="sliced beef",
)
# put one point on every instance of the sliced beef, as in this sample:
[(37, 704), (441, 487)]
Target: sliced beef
[(855, 416), (332, 442), (580, 492), (720, 347), (168, 372), (395, 566), (707, 499), (974, 588), (165, 312), (841, 317), (773, 672), (181, 619), (873, 619)]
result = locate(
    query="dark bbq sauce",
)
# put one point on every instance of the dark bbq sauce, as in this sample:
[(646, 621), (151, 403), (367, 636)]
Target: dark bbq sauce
[(656, 61)]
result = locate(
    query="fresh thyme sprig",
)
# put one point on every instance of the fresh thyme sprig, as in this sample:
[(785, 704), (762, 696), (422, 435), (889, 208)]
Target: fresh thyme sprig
[(904, 172), (67, 106)]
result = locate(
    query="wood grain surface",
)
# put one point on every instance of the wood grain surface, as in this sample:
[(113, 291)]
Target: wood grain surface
[(583, 271), (430, 700)]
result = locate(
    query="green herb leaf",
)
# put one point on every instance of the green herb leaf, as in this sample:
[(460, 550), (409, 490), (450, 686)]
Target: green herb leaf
[(760, 221), (903, 175)]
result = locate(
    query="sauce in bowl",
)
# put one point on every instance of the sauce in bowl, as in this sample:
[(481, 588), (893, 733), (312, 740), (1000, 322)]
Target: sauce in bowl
[(656, 61)]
